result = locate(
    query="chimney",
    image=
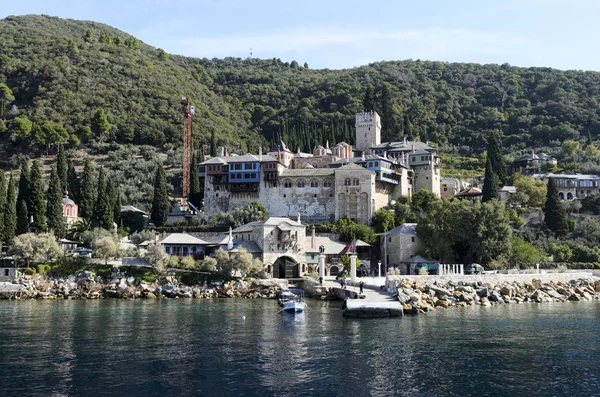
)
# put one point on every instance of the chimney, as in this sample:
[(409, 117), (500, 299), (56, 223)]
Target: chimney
[(260, 153), (363, 158), (222, 151), (313, 240)]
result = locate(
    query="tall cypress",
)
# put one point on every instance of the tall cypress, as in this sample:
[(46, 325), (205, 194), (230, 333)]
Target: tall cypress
[(10, 212), (61, 168), (38, 205), (213, 144), (2, 202), (388, 122), (54, 207), (86, 195), (495, 156), (490, 183), (102, 216), (117, 204), (24, 185), (369, 99), (555, 215), (160, 202), (195, 187), (73, 182), (22, 218)]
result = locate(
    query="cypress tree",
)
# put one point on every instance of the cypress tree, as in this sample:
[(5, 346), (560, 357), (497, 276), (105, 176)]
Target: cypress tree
[(2, 202), (369, 99), (490, 183), (117, 204), (10, 212), (24, 185), (38, 205), (160, 202), (388, 122), (100, 125), (62, 168), (195, 188), (102, 216), (495, 156), (73, 182), (555, 215), (54, 207), (22, 218), (213, 144), (86, 194)]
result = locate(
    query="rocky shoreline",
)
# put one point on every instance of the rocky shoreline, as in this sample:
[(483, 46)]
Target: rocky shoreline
[(85, 286), (417, 297)]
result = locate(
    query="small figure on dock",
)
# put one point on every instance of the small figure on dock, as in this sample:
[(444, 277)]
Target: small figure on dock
[(320, 280), (361, 284)]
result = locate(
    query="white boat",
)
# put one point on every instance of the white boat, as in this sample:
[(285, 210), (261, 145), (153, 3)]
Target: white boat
[(292, 300)]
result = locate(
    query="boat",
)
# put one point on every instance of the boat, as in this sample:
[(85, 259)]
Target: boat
[(292, 300)]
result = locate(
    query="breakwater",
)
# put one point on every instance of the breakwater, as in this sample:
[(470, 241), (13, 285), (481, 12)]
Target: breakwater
[(423, 294), (85, 285)]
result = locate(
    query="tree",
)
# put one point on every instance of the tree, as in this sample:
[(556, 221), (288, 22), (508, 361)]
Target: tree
[(155, 255), (102, 216), (38, 204), (100, 125), (73, 182), (570, 148), (30, 248), (389, 125), (491, 183), (196, 191), (117, 204), (22, 218), (10, 212), (213, 144), (62, 168), (160, 201), (24, 185), (89, 36), (555, 216), (105, 248), (6, 97), (494, 155), (2, 203), (423, 199), (87, 196), (21, 127), (54, 207), (534, 189), (369, 99), (524, 253), (383, 220)]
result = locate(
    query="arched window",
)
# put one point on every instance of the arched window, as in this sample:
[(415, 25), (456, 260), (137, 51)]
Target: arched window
[(355, 182), (300, 183), (287, 183), (68, 212), (314, 183), (569, 196), (327, 183), (347, 182)]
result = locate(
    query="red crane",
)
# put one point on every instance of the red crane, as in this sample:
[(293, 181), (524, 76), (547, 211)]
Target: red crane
[(188, 112)]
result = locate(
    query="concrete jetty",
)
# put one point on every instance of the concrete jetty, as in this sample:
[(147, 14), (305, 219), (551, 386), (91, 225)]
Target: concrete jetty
[(375, 301)]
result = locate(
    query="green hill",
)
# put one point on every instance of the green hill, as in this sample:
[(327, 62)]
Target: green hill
[(64, 71)]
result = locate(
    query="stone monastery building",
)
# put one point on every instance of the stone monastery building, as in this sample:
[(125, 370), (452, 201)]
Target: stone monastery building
[(328, 184)]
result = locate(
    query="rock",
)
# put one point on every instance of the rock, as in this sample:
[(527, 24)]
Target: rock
[(465, 288), (441, 292), (494, 297), (483, 292), (574, 298), (415, 297), (442, 303), (150, 295), (507, 290), (553, 294), (403, 298), (484, 302)]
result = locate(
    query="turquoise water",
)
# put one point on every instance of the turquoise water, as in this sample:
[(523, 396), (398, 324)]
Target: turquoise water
[(207, 348)]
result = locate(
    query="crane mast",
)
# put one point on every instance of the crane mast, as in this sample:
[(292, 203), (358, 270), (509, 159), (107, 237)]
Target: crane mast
[(188, 112)]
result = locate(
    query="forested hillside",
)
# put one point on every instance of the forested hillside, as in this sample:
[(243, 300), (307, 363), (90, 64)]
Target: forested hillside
[(61, 75)]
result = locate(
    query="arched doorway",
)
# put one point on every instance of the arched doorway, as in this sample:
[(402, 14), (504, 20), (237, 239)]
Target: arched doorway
[(561, 195), (286, 267), (334, 270), (569, 196)]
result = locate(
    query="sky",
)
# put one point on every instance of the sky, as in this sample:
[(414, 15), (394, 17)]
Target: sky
[(339, 34)]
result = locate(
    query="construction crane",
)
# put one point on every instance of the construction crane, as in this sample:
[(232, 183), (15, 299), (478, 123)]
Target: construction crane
[(188, 112)]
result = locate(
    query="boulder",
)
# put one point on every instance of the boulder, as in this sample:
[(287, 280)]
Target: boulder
[(483, 292), (507, 290), (574, 298), (403, 298), (442, 303), (441, 292)]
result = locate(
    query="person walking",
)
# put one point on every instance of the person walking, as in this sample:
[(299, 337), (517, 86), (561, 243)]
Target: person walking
[(361, 286), (320, 280)]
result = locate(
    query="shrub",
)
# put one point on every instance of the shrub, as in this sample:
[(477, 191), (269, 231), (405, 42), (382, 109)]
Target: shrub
[(29, 271), (313, 275)]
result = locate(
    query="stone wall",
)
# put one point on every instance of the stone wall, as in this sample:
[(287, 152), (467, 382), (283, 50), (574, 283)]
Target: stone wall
[(394, 281)]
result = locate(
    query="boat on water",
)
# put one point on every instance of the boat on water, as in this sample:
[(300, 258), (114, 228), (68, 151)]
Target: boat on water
[(292, 300)]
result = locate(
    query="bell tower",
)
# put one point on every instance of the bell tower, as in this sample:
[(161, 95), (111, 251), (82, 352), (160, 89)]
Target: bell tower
[(368, 131)]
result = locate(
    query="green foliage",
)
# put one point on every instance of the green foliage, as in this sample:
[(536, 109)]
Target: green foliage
[(6, 97), (10, 212), (62, 168), (31, 248), (73, 188), (555, 216), (87, 192), (100, 125), (570, 148), (102, 216), (561, 252), (54, 207), (196, 190), (2, 203), (160, 201), (117, 204), (21, 127), (531, 191), (383, 220), (491, 183), (22, 218), (422, 199), (38, 204), (494, 156), (524, 253), (465, 232), (348, 230), (240, 216)]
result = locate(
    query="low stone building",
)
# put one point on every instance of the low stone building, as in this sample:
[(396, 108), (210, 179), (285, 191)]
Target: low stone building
[(573, 186), (505, 192), (402, 243), (533, 163), (449, 187), (8, 269)]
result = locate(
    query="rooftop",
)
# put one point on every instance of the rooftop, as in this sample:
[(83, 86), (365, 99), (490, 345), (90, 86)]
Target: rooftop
[(182, 238), (332, 247), (407, 228), (246, 158)]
